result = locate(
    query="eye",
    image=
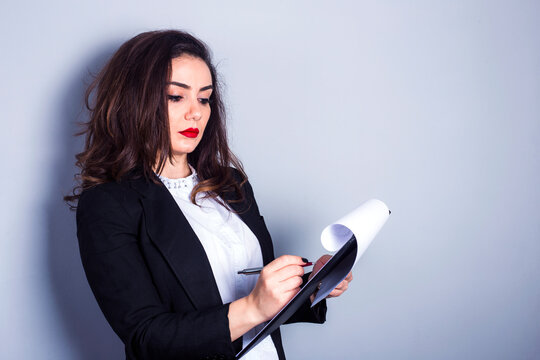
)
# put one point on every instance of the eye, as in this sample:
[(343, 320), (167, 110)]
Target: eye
[(174, 98), (204, 101)]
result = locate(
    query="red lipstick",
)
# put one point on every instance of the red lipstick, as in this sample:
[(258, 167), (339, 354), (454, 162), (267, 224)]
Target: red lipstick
[(190, 133)]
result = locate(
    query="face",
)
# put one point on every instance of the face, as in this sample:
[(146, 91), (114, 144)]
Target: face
[(188, 94)]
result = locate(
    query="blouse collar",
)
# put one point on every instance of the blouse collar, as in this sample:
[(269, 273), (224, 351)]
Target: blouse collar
[(186, 183)]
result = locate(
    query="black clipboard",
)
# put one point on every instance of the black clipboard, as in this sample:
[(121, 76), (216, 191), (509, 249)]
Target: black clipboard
[(323, 282)]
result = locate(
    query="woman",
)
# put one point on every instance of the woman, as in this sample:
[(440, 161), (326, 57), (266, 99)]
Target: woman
[(164, 222)]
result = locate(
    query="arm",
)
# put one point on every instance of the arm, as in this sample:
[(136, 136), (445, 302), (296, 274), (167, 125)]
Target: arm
[(278, 282), (109, 243)]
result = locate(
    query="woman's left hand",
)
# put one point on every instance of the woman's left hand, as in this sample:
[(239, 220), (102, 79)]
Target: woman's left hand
[(342, 286)]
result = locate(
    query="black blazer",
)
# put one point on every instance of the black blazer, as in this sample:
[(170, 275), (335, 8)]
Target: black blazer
[(150, 274)]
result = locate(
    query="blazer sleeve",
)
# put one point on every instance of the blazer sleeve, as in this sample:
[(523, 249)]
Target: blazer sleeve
[(108, 234), (305, 313)]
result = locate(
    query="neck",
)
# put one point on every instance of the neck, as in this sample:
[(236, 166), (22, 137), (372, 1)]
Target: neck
[(176, 168)]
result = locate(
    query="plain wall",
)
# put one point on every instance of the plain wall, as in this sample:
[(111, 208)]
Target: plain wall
[(432, 107)]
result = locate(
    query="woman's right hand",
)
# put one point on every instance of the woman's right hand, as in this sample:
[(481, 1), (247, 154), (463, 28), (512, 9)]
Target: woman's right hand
[(278, 282)]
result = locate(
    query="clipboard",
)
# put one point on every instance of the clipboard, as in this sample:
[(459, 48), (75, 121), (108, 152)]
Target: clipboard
[(323, 282), (349, 237)]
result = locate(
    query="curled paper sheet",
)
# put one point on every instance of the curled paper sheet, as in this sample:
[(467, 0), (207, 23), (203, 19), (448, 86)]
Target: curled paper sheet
[(351, 234), (364, 223)]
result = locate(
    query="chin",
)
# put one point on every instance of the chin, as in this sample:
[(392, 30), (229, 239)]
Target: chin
[(183, 150)]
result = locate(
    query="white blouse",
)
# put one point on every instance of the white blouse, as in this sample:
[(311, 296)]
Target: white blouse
[(229, 245)]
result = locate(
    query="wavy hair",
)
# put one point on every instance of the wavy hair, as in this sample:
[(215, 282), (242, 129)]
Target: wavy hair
[(128, 126)]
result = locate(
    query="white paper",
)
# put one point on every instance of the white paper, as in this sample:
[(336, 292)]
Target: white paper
[(364, 223)]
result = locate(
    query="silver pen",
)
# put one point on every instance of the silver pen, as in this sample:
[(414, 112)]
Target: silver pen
[(257, 270)]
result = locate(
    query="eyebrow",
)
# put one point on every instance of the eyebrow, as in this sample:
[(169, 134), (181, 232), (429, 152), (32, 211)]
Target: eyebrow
[(208, 87)]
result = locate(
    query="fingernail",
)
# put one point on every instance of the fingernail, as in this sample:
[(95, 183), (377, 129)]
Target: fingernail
[(305, 260)]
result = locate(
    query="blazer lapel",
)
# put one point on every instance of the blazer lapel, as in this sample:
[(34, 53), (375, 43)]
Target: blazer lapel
[(172, 234), (170, 231)]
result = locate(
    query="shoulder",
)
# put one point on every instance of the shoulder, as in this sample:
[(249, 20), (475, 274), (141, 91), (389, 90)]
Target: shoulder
[(109, 198), (237, 175), (108, 217), (241, 179), (106, 193)]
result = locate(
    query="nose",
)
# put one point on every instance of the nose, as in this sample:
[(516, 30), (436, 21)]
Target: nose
[(194, 112)]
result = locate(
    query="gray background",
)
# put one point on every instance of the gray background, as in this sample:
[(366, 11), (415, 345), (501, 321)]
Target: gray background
[(433, 107)]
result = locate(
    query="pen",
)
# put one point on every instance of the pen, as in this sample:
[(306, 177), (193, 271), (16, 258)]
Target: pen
[(257, 270)]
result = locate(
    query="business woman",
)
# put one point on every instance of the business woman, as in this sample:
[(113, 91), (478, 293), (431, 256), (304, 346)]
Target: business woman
[(166, 216)]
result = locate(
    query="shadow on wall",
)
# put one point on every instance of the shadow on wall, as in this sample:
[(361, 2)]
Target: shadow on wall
[(86, 331)]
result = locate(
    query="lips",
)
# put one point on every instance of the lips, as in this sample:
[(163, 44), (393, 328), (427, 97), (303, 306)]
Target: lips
[(190, 133)]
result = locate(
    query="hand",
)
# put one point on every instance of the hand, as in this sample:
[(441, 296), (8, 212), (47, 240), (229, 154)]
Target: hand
[(342, 286), (278, 282)]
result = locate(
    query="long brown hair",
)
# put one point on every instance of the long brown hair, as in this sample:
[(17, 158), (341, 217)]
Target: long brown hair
[(128, 128)]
